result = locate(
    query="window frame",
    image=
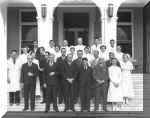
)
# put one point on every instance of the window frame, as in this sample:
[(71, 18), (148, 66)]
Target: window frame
[(128, 24), (24, 24)]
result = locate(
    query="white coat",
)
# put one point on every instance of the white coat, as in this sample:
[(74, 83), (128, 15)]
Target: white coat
[(127, 82), (115, 93), (14, 72)]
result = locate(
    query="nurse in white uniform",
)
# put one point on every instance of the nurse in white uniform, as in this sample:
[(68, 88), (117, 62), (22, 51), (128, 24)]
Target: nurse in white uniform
[(127, 82), (79, 45)]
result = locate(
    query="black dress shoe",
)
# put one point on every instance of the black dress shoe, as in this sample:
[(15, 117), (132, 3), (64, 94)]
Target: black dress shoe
[(42, 102), (46, 111), (32, 109), (25, 109), (66, 110), (73, 110)]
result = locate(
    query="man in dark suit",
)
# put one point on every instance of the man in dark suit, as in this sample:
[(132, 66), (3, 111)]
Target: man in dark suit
[(29, 73), (60, 62), (50, 75), (77, 65), (100, 74), (85, 80), (69, 75)]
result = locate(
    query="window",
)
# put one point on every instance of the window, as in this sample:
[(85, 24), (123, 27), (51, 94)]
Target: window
[(28, 30), (124, 31)]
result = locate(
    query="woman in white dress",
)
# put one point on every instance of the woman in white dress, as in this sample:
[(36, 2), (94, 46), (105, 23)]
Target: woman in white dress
[(37, 90), (127, 83), (115, 89)]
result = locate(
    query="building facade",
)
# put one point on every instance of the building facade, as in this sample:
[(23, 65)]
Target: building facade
[(35, 22)]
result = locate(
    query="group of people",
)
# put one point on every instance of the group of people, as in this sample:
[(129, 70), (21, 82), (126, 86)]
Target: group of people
[(70, 75)]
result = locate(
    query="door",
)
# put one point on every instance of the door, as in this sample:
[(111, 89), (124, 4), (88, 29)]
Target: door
[(76, 25)]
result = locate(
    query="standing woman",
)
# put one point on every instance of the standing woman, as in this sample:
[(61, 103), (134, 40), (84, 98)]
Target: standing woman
[(127, 83), (40, 56), (115, 87)]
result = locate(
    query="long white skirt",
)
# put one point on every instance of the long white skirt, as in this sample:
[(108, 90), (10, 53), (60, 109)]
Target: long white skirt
[(114, 93), (127, 85)]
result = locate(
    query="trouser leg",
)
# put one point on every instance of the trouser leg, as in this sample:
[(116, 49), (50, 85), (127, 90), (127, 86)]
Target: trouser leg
[(26, 95), (48, 95), (11, 97), (17, 97), (54, 94), (97, 98), (32, 96)]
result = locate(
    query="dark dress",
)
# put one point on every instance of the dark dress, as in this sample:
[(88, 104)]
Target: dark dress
[(61, 92), (29, 84)]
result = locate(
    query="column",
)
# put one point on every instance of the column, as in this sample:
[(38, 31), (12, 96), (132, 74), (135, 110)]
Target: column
[(3, 60), (104, 26), (112, 30), (91, 26), (45, 29), (60, 27)]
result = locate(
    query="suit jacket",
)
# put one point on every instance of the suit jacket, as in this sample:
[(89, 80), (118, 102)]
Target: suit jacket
[(69, 71), (48, 79), (24, 73), (86, 77), (77, 65), (100, 73)]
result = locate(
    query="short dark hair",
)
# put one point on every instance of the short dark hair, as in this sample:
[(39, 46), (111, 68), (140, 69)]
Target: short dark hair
[(13, 51), (103, 46), (84, 59)]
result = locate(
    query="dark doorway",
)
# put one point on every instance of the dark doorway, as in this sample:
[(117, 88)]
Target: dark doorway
[(76, 25)]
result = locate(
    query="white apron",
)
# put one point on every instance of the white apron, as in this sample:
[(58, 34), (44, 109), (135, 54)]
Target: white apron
[(14, 71)]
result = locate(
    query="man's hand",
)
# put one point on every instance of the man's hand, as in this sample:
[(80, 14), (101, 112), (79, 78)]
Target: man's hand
[(70, 80), (116, 85), (30, 74), (8, 80), (52, 73), (100, 81), (44, 85), (21, 85), (41, 69)]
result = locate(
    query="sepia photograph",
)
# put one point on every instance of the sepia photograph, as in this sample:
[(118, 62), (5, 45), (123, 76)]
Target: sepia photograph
[(74, 58)]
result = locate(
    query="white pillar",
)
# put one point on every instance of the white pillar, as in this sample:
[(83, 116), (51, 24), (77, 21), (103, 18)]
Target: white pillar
[(60, 27), (45, 29), (104, 26), (3, 61)]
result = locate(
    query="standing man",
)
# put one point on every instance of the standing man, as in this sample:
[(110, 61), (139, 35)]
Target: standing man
[(79, 45), (51, 47), (29, 74), (23, 56), (60, 63), (100, 74), (77, 65), (65, 45), (112, 47), (96, 45), (13, 70), (50, 75), (69, 77), (85, 80)]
